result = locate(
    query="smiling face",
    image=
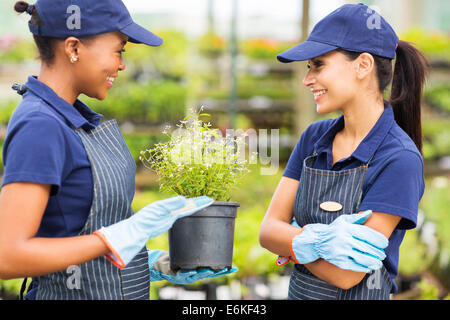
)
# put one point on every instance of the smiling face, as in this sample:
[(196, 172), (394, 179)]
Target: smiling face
[(333, 79), (98, 64)]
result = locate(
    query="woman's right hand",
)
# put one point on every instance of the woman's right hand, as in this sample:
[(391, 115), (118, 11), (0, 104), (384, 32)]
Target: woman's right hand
[(345, 243)]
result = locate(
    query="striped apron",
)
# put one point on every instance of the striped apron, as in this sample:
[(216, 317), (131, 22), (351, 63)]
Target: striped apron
[(113, 172), (315, 187)]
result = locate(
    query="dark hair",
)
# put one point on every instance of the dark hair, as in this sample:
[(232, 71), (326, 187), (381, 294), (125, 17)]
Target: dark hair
[(45, 45), (408, 79)]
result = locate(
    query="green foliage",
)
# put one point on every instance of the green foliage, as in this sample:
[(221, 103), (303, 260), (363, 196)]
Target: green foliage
[(137, 141), (428, 290), (197, 160), (276, 88), (153, 102), (439, 96), (414, 257), (435, 204), (435, 45), (12, 287), (211, 44), (169, 60), (6, 110), (18, 52), (264, 48), (436, 142)]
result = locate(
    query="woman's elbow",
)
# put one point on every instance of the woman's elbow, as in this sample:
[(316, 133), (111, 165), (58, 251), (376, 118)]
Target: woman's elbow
[(346, 283), (4, 275), (8, 268), (5, 270), (262, 237)]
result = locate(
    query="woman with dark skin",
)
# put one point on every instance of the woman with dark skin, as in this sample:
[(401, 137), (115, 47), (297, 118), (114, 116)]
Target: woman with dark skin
[(66, 196)]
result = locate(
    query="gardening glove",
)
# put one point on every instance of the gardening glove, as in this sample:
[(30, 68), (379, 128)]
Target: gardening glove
[(127, 237), (158, 262), (345, 243), (282, 260)]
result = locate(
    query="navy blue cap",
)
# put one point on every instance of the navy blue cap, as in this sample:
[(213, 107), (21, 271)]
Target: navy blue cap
[(80, 18), (352, 27)]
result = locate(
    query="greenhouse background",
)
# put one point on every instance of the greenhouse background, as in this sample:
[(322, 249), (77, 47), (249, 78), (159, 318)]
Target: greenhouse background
[(222, 55)]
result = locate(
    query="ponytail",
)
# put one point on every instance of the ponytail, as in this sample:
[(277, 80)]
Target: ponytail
[(411, 69), (46, 45)]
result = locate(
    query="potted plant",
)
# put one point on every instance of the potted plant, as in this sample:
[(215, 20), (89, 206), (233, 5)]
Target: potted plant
[(198, 161)]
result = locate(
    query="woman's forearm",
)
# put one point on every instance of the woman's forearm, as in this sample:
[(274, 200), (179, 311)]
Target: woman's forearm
[(276, 236), (326, 271), (39, 256)]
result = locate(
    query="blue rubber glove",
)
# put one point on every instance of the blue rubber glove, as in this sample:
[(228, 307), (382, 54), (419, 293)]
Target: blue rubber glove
[(282, 260), (127, 237), (345, 243), (182, 276)]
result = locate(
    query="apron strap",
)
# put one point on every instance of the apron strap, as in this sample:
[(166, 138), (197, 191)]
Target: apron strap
[(367, 163), (23, 288)]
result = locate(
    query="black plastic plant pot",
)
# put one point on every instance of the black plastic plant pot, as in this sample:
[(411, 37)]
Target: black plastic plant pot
[(204, 239)]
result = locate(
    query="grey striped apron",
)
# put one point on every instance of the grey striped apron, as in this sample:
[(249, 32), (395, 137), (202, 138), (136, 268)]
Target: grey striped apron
[(345, 186), (113, 172)]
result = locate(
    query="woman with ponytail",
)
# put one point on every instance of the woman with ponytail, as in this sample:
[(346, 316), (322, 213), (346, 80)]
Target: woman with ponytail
[(353, 184)]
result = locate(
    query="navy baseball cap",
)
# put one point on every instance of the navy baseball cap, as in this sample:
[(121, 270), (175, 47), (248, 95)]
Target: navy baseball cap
[(80, 18), (352, 27)]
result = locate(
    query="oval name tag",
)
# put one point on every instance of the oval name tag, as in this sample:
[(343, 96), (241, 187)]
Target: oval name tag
[(330, 206)]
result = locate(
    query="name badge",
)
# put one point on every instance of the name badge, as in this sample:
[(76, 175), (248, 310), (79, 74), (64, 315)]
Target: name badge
[(330, 206)]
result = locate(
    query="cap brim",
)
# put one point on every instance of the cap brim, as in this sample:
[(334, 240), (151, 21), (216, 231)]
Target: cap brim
[(305, 51), (138, 34)]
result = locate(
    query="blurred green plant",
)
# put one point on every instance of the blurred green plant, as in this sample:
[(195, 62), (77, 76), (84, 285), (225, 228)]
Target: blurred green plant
[(169, 60), (10, 287), (414, 257), (435, 45), (154, 102), (439, 97), (427, 290), (18, 52), (6, 110), (435, 204), (436, 142), (264, 48), (137, 141), (211, 45)]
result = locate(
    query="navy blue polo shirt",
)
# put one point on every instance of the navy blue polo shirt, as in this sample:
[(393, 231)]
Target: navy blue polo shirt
[(394, 182), (41, 147)]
